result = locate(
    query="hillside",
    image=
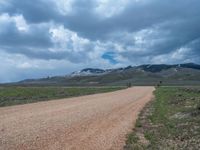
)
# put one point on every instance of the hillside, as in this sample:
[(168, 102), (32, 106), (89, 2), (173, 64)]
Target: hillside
[(179, 74)]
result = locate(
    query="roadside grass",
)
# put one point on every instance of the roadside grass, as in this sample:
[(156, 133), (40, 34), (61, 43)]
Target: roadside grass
[(13, 95), (170, 121)]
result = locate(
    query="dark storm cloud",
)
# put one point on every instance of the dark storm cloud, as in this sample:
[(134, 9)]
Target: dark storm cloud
[(36, 11), (38, 36), (83, 20), (86, 22), (136, 16)]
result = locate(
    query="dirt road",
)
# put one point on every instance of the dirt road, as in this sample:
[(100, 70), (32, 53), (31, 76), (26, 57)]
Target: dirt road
[(94, 122)]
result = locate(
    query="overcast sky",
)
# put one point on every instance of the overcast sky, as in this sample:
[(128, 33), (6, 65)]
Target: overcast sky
[(55, 37)]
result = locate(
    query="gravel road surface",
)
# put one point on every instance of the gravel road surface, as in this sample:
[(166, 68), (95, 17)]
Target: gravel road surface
[(94, 122)]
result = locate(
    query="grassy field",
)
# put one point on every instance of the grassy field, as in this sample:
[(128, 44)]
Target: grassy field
[(170, 122), (12, 95)]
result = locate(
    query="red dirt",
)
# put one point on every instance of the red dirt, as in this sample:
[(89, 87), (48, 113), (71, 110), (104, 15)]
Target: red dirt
[(94, 122)]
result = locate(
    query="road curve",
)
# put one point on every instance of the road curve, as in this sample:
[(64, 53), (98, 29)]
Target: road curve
[(94, 122)]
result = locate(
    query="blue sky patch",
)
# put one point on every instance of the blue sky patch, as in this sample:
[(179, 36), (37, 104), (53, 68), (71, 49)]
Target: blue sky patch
[(110, 56)]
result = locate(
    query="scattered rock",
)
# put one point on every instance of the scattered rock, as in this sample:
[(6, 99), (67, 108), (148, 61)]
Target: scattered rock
[(180, 115)]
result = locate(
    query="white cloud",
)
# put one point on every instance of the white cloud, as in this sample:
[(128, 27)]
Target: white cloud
[(15, 67), (4, 18), (109, 8), (78, 49), (179, 55), (64, 6), (66, 40), (27, 65), (18, 20), (21, 23)]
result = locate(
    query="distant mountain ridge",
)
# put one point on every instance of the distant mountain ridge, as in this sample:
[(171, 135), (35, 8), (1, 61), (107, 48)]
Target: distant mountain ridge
[(148, 67), (148, 74), (160, 67), (88, 71)]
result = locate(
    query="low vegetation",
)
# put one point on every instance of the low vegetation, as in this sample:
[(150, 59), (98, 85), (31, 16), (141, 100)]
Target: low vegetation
[(13, 95), (171, 121)]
